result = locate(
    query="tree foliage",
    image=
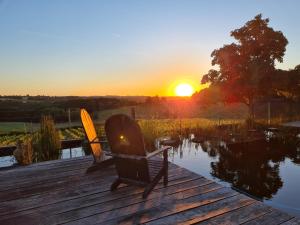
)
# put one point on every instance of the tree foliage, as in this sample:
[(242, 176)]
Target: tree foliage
[(288, 83), (247, 66)]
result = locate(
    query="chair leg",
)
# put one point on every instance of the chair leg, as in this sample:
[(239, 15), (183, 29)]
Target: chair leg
[(165, 167), (115, 184)]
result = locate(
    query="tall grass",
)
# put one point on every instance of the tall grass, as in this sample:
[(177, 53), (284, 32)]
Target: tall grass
[(156, 128), (204, 128), (47, 141), (24, 151)]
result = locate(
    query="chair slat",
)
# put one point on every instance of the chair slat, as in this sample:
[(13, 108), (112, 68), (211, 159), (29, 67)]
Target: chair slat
[(91, 134)]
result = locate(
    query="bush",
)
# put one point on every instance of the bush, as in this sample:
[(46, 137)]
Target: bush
[(46, 142), (24, 151)]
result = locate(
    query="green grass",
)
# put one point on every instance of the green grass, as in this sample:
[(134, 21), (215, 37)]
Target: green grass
[(64, 134), (11, 127), (7, 127)]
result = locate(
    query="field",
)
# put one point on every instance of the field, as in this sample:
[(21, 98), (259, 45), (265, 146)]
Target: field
[(152, 128), (16, 127), (149, 118), (64, 133)]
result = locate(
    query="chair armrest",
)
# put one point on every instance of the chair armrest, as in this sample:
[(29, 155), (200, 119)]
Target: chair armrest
[(108, 153), (97, 142), (163, 149), (125, 156), (138, 157)]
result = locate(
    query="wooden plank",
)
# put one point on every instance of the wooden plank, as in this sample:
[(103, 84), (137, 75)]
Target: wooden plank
[(51, 174), (200, 213), (41, 189), (158, 207), (28, 190), (95, 194), (33, 170), (130, 200), (39, 173), (54, 193), (35, 180), (241, 215), (12, 181), (48, 190), (33, 186), (294, 221), (86, 187), (22, 171), (47, 164), (41, 216), (108, 172), (64, 212), (274, 217)]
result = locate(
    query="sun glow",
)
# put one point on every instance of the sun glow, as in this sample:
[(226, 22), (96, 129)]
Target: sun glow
[(184, 89)]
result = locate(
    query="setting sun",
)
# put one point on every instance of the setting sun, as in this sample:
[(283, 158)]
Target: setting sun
[(184, 90)]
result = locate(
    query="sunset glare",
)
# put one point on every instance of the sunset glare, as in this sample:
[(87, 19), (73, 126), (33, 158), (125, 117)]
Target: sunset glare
[(184, 90)]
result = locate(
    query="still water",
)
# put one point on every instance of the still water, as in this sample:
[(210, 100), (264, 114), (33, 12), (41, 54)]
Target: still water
[(8, 161), (268, 172)]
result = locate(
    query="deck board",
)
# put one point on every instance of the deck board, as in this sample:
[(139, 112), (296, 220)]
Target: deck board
[(61, 192)]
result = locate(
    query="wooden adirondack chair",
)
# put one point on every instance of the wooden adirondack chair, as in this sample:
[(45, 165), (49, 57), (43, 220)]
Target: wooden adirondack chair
[(101, 158), (133, 164)]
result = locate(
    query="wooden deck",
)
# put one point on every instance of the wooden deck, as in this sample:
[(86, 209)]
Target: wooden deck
[(60, 192)]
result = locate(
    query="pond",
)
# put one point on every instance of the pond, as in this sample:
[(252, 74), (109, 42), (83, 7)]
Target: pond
[(265, 171)]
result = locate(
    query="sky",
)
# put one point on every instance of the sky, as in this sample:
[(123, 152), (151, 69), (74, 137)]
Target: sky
[(108, 47)]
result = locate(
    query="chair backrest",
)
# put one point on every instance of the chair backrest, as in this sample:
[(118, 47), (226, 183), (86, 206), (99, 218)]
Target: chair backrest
[(125, 137), (91, 134)]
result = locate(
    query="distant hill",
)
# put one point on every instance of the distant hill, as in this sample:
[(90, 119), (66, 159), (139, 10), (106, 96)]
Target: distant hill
[(31, 108)]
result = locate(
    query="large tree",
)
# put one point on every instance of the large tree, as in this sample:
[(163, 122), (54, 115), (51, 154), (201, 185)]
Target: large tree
[(247, 66)]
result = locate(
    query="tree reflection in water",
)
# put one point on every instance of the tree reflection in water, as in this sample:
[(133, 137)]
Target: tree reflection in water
[(252, 167)]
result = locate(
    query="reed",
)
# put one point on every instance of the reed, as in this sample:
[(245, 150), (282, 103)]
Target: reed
[(24, 151), (47, 141)]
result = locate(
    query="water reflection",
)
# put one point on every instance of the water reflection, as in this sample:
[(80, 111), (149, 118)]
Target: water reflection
[(7, 161), (254, 168)]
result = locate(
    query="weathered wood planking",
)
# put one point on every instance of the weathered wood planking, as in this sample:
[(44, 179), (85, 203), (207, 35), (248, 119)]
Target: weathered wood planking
[(61, 192)]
